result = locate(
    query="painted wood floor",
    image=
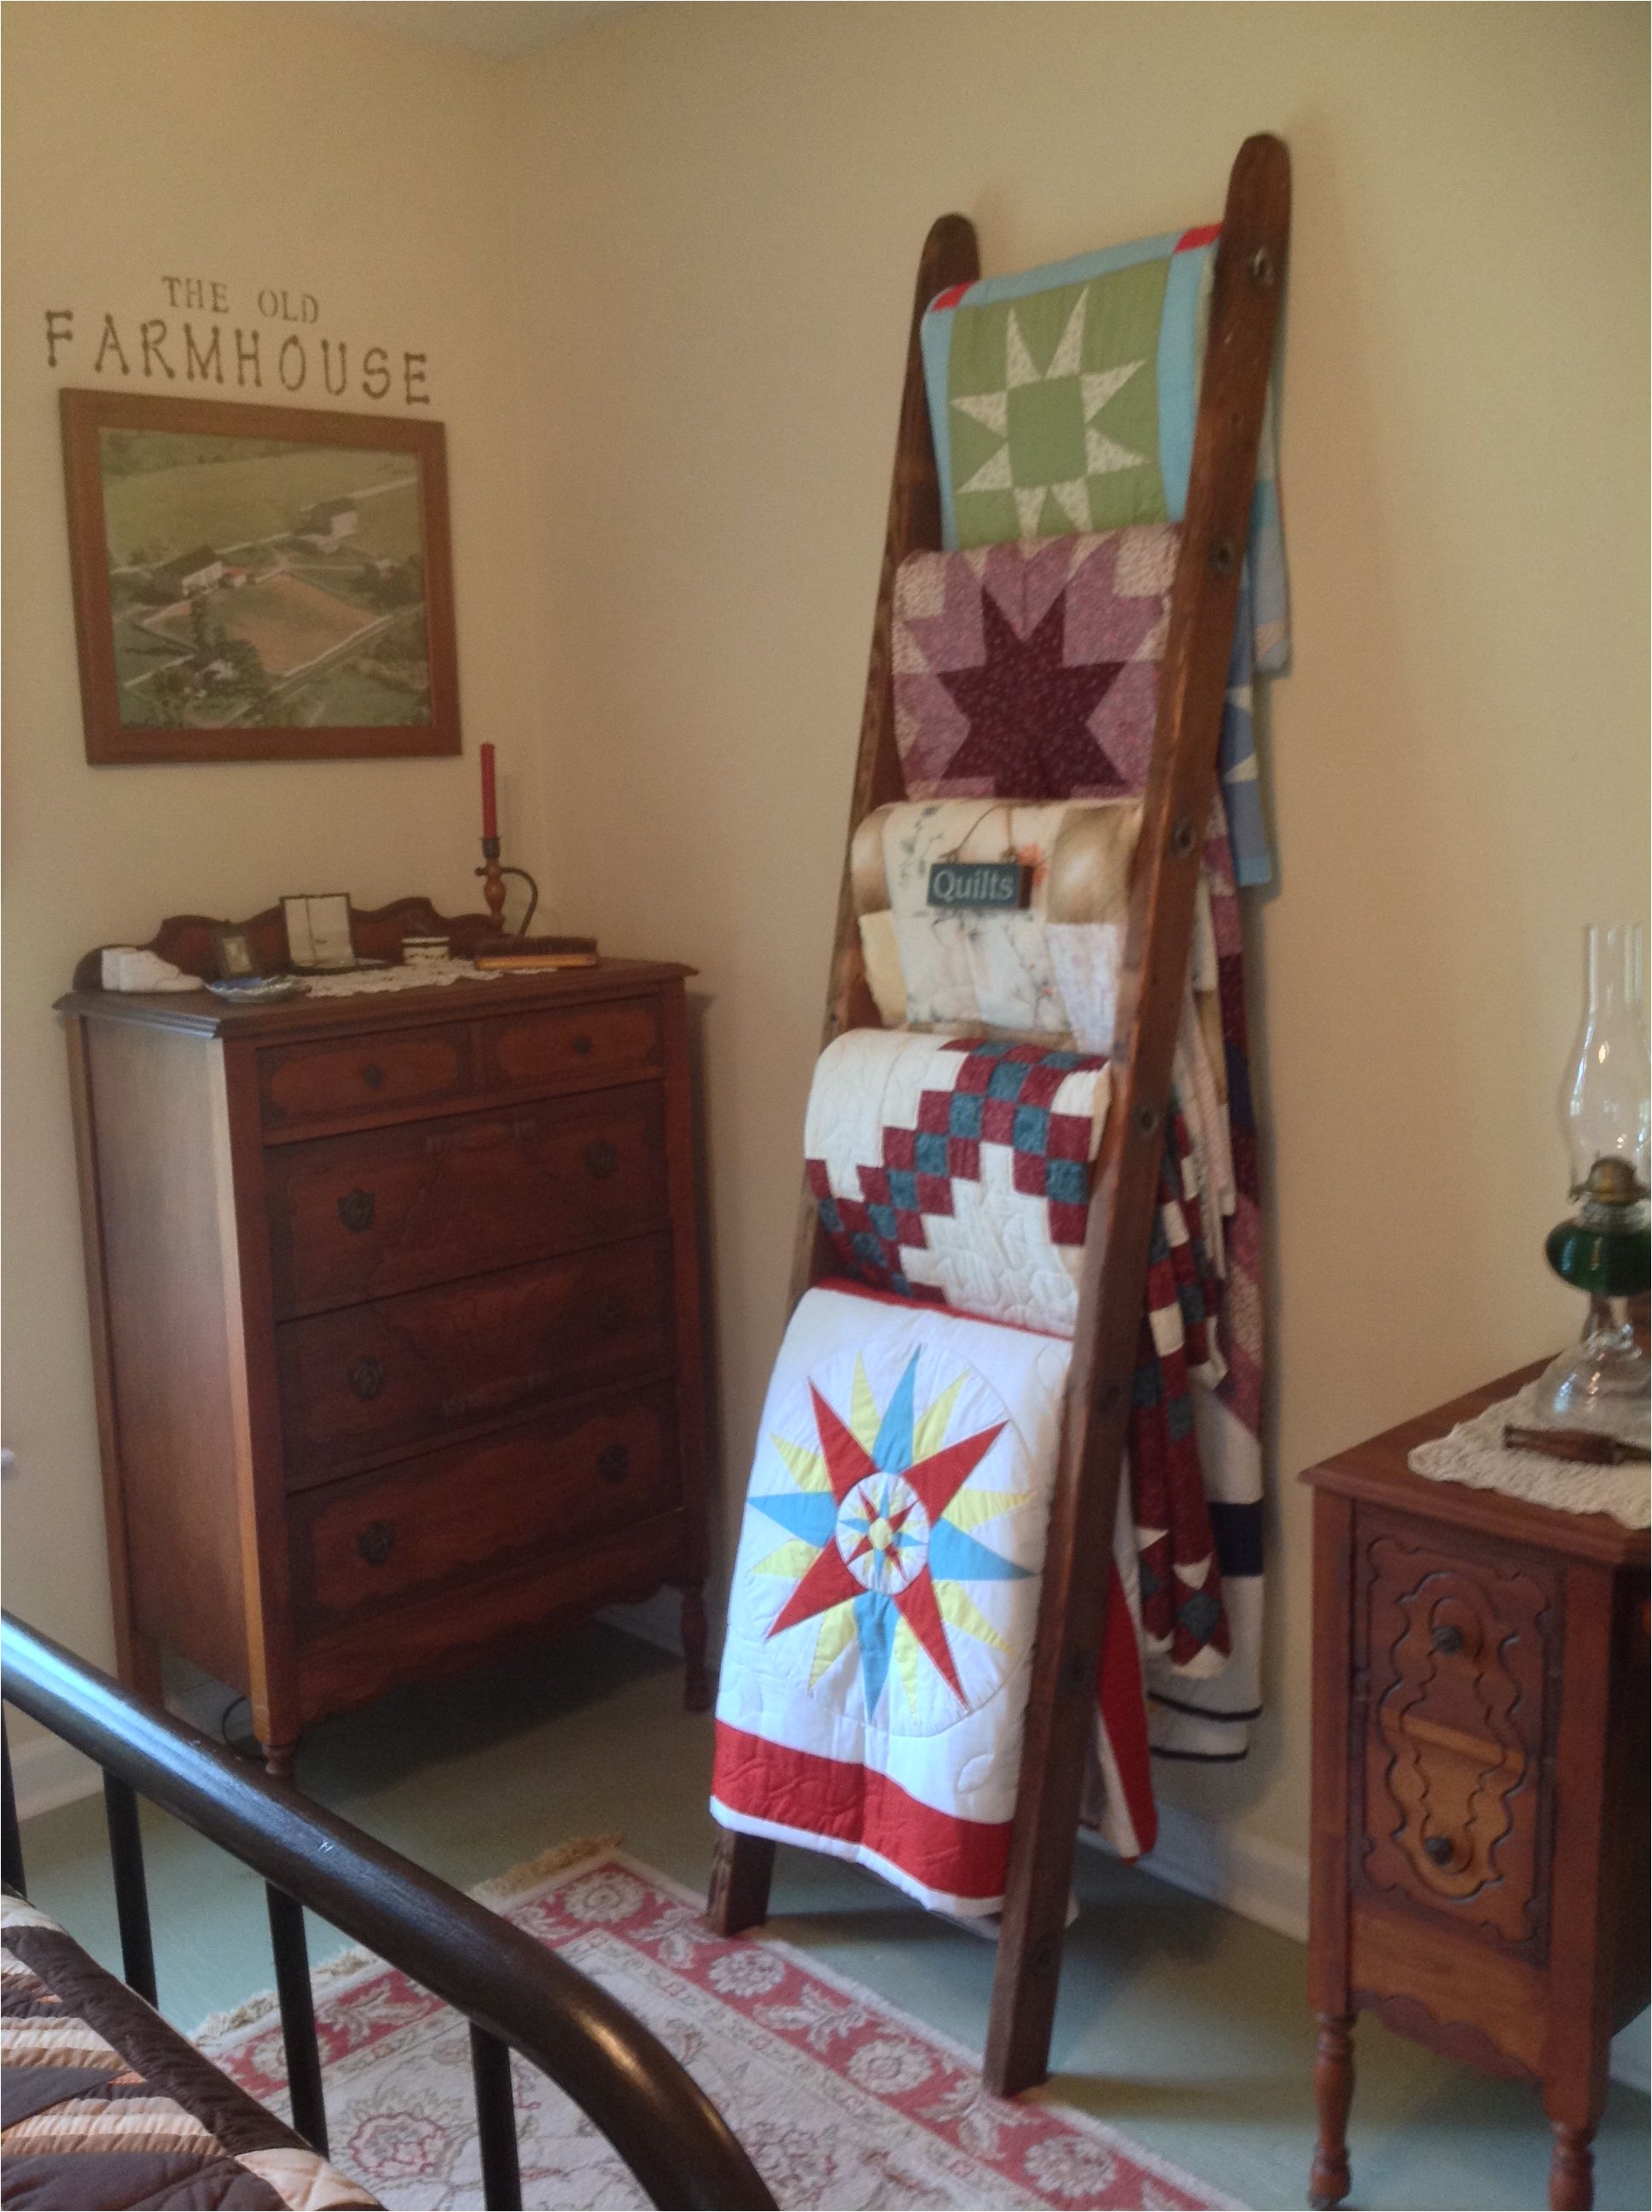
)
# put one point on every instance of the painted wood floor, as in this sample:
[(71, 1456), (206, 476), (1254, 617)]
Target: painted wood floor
[(1179, 2022)]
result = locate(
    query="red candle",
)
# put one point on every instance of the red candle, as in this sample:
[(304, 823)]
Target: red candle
[(489, 797)]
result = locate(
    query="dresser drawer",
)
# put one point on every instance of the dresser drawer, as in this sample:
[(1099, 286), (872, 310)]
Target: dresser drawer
[(398, 1371), (367, 1216), (303, 1083), (1453, 1725), (617, 1041), (452, 1516)]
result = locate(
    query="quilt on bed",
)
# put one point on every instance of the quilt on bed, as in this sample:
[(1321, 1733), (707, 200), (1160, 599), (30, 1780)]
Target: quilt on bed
[(885, 1598), (105, 2105)]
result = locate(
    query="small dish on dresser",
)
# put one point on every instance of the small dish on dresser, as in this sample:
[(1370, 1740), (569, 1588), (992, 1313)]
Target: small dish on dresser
[(258, 990)]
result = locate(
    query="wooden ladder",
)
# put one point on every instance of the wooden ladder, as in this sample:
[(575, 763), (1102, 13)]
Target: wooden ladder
[(1181, 788)]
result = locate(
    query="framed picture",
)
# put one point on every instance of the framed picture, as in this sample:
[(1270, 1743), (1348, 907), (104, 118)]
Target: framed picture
[(318, 934), (258, 583), (235, 957)]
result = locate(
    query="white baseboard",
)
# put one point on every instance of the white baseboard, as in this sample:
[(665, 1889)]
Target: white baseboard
[(1631, 2055), (656, 1620), (1259, 1881), (1265, 1883), (46, 1773)]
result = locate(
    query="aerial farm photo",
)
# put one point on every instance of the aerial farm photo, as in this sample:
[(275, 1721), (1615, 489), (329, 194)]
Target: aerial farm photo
[(256, 581)]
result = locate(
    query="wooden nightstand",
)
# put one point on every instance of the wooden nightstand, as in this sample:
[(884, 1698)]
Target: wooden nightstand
[(1480, 1767)]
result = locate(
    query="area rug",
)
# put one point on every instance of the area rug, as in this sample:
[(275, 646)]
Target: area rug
[(840, 2099)]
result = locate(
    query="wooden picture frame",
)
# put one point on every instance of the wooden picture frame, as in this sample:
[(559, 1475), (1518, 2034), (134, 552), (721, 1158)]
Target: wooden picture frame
[(331, 638), (320, 940), (232, 953)]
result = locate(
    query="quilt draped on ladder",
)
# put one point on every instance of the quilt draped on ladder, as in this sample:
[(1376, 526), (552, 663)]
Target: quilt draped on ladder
[(970, 742), (886, 1594), (885, 1598)]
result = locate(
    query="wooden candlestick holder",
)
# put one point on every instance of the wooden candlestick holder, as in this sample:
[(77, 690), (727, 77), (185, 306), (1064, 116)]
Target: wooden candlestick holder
[(493, 888)]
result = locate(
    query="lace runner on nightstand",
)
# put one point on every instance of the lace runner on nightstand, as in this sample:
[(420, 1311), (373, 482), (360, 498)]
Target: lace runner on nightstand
[(1474, 1453)]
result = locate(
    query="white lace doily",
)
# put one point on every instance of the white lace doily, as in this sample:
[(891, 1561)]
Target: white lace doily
[(1474, 1453), (416, 975)]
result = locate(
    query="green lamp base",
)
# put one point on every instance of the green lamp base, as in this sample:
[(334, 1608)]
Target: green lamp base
[(1604, 1383)]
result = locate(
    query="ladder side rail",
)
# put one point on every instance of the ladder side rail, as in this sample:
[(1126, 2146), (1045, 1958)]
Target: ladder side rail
[(951, 256), (742, 1865), (1181, 788)]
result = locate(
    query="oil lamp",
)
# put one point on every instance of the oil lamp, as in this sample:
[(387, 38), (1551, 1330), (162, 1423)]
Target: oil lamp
[(1606, 1107)]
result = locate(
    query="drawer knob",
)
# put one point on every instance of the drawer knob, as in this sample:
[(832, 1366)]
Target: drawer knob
[(613, 1311), (1439, 1849), (582, 1046), (1448, 1640), (373, 1075), (356, 1209), (366, 1378), (601, 1160), (613, 1463), (376, 1542)]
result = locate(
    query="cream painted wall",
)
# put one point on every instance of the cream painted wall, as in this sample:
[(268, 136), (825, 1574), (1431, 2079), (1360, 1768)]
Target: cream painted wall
[(259, 145), (707, 219), (719, 212)]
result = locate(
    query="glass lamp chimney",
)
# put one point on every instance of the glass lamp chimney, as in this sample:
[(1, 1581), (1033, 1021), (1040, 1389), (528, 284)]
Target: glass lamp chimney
[(1605, 1382), (1606, 1102)]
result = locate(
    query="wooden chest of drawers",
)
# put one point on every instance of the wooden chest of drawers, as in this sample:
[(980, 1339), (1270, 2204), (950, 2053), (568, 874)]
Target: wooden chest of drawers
[(1479, 1874), (396, 1319)]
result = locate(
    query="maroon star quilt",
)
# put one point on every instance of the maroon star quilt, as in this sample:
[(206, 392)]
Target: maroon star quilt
[(1030, 670)]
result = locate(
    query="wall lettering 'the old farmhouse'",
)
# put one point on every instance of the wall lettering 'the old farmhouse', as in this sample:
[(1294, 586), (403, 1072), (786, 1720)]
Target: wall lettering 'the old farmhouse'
[(262, 352)]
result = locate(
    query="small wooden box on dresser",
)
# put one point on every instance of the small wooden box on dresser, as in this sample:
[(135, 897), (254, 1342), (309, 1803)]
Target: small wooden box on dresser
[(1480, 1769), (396, 1322)]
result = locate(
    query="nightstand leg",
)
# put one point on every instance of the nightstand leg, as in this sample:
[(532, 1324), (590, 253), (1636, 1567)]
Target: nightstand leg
[(1333, 2089), (278, 1759), (696, 1685), (1571, 2169)]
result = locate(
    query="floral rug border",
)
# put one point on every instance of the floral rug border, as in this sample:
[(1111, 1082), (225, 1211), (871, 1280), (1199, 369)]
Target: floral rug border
[(523, 1885)]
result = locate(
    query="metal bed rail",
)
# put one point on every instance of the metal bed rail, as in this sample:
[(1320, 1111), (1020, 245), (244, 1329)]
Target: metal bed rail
[(516, 1994)]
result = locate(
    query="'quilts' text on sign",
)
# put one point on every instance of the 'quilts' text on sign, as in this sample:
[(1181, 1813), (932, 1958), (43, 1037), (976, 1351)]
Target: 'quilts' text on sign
[(979, 884)]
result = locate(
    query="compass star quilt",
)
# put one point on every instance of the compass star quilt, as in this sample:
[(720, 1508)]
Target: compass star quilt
[(874, 1682)]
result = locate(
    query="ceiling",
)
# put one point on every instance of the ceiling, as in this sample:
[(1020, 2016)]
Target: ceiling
[(499, 28)]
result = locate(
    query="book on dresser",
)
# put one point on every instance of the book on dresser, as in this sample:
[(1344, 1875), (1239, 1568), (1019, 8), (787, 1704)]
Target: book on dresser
[(395, 1305)]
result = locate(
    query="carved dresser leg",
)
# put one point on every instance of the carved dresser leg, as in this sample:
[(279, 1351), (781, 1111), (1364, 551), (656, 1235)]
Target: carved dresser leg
[(1571, 2169), (1333, 2089), (696, 1684)]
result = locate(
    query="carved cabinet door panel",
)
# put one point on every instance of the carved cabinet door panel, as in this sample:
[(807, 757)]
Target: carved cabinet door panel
[(1457, 1652)]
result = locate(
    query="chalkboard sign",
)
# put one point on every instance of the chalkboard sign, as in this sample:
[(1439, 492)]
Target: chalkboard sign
[(1001, 884)]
